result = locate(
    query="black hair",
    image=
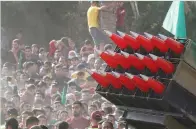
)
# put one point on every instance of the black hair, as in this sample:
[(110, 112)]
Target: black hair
[(12, 122), (63, 125), (43, 127), (78, 102), (29, 64), (31, 120), (12, 111), (27, 47)]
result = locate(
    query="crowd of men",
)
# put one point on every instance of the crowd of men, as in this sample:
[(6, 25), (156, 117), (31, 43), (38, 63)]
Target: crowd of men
[(51, 89)]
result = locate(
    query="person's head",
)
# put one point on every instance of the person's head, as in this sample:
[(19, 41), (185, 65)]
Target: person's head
[(57, 106), (63, 125), (70, 98), (31, 67), (31, 121), (47, 80), (60, 45), (42, 54), (42, 119), (34, 48), (96, 117), (58, 70), (25, 107), (71, 43), (17, 74), (16, 100), (23, 77), (54, 88), (74, 61), (63, 115), (88, 43), (62, 61), (111, 118), (98, 63), (28, 51), (31, 89), (92, 108), (120, 4), (12, 113), (57, 54), (94, 3), (48, 110), (15, 44), (36, 127), (77, 109), (11, 123), (86, 95), (25, 115), (42, 86), (43, 127), (108, 47), (91, 59), (107, 125), (9, 105), (108, 110)]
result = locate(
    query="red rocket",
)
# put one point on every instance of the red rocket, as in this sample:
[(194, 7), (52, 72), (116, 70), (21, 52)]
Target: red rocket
[(108, 58), (139, 82), (174, 45), (145, 42), (155, 85), (128, 83), (113, 80), (131, 41), (148, 62), (100, 78), (157, 42), (132, 60), (163, 64), (117, 40)]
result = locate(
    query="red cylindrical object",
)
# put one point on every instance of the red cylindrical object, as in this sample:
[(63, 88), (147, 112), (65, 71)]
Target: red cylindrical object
[(158, 43), (120, 42), (139, 82), (155, 85), (100, 79), (163, 64), (131, 41), (145, 42), (174, 45), (148, 62), (128, 83), (133, 61), (109, 59), (113, 81)]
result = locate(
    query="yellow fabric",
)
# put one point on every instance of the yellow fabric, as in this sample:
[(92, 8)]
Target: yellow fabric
[(92, 16), (86, 75)]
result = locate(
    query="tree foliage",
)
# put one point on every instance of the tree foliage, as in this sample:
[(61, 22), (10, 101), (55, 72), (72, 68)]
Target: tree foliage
[(47, 20)]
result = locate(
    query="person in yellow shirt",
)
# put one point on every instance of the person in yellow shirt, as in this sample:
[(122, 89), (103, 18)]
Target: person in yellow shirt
[(97, 35)]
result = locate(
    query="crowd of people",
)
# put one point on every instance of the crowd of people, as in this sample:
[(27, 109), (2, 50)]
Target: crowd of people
[(51, 88)]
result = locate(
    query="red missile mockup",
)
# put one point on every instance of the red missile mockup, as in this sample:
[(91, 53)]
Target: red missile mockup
[(108, 58), (155, 85), (148, 62), (99, 78), (139, 82), (131, 41), (120, 42), (174, 45), (157, 42), (145, 42), (126, 82), (115, 82), (163, 64), (133, 61)]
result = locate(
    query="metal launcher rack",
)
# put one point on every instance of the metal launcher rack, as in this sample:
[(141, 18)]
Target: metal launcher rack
[(155, 96)]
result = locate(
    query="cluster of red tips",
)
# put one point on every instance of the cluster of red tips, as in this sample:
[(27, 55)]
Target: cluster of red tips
[(148, 42), (138, 61), (128, 80)]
